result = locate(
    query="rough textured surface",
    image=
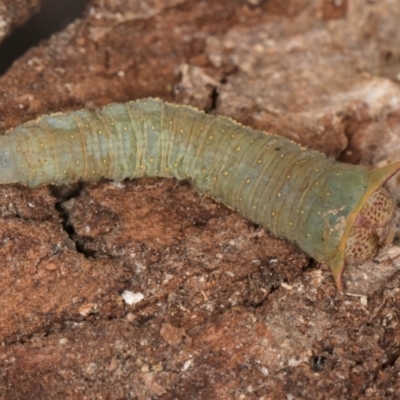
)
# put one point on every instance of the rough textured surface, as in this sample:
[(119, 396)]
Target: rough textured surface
[(14, 13), (147, 290)]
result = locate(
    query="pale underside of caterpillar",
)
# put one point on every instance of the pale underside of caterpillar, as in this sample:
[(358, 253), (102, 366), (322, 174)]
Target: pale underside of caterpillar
[(337, 213)]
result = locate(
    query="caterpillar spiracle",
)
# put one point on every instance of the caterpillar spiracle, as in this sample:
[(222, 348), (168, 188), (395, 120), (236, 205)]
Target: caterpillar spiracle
[(337, 213)]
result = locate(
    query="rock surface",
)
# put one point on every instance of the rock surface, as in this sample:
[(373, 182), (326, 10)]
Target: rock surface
[(14, 13), (145, 289)]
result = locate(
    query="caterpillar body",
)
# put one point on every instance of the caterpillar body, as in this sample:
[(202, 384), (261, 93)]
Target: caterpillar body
[(337, 213)]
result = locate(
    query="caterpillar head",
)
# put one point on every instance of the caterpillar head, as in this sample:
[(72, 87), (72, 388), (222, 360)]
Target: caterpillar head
[(372, 229), (370, 225)]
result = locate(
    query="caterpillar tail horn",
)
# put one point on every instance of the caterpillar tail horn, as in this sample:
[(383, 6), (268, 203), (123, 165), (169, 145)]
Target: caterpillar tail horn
[(369, 226)]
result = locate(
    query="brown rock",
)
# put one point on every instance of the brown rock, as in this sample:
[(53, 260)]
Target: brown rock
[(226, 310)]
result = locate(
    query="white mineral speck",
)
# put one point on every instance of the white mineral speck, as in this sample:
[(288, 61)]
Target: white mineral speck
[(187, 364), (132, 298)]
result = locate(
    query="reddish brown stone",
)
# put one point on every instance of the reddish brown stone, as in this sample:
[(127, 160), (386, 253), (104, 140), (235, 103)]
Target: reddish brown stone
[(220, 308)]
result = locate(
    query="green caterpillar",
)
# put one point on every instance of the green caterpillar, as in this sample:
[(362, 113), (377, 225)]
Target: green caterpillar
[(337, 213)]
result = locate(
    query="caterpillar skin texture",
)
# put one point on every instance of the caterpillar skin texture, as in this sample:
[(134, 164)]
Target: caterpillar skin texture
[(337, 213)]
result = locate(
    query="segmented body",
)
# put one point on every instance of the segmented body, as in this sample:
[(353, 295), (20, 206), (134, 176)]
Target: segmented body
[(295, 193)]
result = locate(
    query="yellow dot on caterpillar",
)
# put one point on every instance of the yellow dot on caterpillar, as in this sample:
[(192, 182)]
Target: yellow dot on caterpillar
[(251, 141), (203, 170), (316, 170), (175, 164), (328, 193), (232, 136), (247, 180), (112, 124), (201, 128), (99, 132), (319, 212), (282, 155), (226, 173), (238, 148), (125, 128), (308, 235), (45, 163), (170, 122), (316, 183), (254, 207), (181, 130), (152, 127), (287, 176), (65, 171), (151, 159), (141, 166), (72, 136), (77, 163), (41, 144), (290, 223), (273, 213), (259, 162), (240, 199), (93, 171), (301, 212), (215, 178), (211, 137), (86, 125), (279, 194)]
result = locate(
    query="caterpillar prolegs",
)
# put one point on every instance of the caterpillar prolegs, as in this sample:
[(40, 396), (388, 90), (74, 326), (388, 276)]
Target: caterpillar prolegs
[(337, 213)]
